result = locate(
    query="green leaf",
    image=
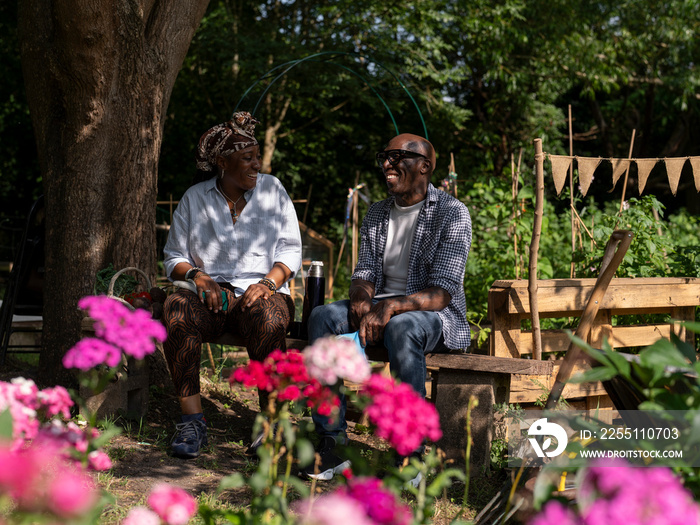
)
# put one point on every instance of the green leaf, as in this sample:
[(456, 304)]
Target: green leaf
[(232, 481), (6, 423), (299, 485), (620, 363), (661, 354), (692, 326), (305, 452), (686, 349), (526, 192), (594, 374)]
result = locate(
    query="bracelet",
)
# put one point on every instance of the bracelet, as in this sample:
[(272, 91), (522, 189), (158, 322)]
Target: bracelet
[(269, 283)]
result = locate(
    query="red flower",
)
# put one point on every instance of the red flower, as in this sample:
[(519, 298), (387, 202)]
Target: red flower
[(286, 374)]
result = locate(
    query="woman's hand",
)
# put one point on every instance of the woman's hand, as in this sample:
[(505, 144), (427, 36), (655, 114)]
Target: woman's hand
[(208, 291), (253, 293)]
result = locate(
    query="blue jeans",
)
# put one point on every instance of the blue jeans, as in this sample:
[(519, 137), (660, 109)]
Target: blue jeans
[(407, 338)]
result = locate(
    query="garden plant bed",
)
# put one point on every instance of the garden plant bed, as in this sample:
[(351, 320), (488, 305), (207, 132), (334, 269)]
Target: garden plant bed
[(140, 455)]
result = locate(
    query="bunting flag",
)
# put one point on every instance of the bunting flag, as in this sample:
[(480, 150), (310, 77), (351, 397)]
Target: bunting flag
[(588, 165), (695, 164), (560, 165), (586, 168), (619, 167), (673, 169), (644, 167)]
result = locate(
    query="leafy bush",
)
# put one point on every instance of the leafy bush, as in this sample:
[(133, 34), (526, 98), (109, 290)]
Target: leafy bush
[(502, 231)]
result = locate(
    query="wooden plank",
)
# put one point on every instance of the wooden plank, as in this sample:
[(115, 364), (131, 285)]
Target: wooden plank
[(620, 337), (487, 363), (643, 335), (504, 340), (571, 295), (528, 389), (601, 329), (473, 362)]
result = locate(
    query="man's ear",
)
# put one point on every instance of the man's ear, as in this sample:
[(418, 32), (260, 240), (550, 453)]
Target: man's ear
[(425, 168)]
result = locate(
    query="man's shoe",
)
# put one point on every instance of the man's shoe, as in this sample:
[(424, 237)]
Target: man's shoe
[(330, 464), (190, 436)]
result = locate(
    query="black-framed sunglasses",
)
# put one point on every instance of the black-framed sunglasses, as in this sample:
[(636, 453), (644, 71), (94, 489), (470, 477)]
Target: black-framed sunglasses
[(394, 156)]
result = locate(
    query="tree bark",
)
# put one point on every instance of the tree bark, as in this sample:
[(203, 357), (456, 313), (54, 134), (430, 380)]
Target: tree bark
[(98, 76)]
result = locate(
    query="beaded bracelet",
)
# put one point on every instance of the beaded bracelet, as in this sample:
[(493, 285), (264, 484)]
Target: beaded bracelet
[(269, 283)]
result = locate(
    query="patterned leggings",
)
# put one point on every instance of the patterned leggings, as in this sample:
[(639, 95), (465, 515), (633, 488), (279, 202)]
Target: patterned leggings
[(190, 323)]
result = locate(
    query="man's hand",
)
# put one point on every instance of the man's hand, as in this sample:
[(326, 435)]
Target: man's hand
[(373, 323), (358, 310), (361, 293)]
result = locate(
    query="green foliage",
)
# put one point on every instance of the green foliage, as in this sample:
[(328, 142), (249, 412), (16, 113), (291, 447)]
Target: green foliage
[(665, 378), (499, 228), (6, 424), (124, 284)]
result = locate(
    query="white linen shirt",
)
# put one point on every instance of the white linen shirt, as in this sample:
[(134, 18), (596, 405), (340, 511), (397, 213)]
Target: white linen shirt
[(267, 231)]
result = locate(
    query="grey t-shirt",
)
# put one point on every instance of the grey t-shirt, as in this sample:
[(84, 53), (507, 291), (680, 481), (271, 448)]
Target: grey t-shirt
[(402, 225)]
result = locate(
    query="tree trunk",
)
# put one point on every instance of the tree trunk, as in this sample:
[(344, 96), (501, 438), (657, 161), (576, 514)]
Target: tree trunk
[(98, 76)]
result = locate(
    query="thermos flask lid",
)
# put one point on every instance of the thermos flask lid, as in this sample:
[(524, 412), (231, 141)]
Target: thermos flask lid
[(316, 269)]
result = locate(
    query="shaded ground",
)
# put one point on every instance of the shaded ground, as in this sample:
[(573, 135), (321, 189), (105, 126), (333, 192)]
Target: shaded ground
[(140, 453)]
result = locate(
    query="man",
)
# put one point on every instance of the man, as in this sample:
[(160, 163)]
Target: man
[(407, 290)]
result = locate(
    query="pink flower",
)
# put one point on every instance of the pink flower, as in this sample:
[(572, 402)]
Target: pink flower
[(381, 505), (38, 479), (71, 493), (328, 509), (99, 461), (55, 401), (172, 504), (19, 473), (362, 501), (331, 359), (90, 352), (401, 416), (613, 490), (555, 513), (141, 516), (132, 331)]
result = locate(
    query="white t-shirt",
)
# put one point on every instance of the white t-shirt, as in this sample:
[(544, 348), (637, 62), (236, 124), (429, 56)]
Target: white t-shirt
[(402, 225)]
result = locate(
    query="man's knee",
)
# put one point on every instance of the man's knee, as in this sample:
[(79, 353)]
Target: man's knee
[(401, 327)]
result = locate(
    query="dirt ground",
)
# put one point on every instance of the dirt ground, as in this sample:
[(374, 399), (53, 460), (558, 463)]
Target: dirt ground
[(140, 453)]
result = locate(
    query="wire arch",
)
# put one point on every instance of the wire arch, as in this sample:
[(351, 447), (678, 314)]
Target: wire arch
[(333, 54)]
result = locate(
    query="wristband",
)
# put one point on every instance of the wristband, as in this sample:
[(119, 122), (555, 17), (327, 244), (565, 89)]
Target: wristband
[(189, 274), (269, 283)]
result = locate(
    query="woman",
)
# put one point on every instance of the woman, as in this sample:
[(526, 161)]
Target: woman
[(235, 236)]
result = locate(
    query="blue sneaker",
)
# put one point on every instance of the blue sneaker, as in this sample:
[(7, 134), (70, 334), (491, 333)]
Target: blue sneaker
[(190, 436)]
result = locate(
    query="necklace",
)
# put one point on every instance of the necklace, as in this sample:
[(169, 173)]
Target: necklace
[(234, 215)]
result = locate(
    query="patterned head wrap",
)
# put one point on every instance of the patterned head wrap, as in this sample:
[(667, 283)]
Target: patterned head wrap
[(226, 138)]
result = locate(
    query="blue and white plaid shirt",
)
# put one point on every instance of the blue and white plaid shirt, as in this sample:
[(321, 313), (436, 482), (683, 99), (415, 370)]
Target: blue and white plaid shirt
[(438, 256)]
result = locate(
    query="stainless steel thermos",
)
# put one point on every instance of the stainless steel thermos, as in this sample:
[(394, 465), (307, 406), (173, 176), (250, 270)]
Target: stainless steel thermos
[(314, 294)]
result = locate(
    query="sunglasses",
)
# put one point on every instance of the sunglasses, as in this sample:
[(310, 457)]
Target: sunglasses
[(394, 156)]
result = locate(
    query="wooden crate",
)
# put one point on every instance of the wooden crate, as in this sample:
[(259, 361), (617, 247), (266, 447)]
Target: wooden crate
[(509, 306)]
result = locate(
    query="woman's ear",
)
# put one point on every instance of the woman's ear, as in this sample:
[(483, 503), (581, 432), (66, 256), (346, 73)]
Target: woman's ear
[(220, 162)]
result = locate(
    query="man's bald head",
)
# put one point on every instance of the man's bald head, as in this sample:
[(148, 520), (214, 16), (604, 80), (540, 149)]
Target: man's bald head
[(417, 144)]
